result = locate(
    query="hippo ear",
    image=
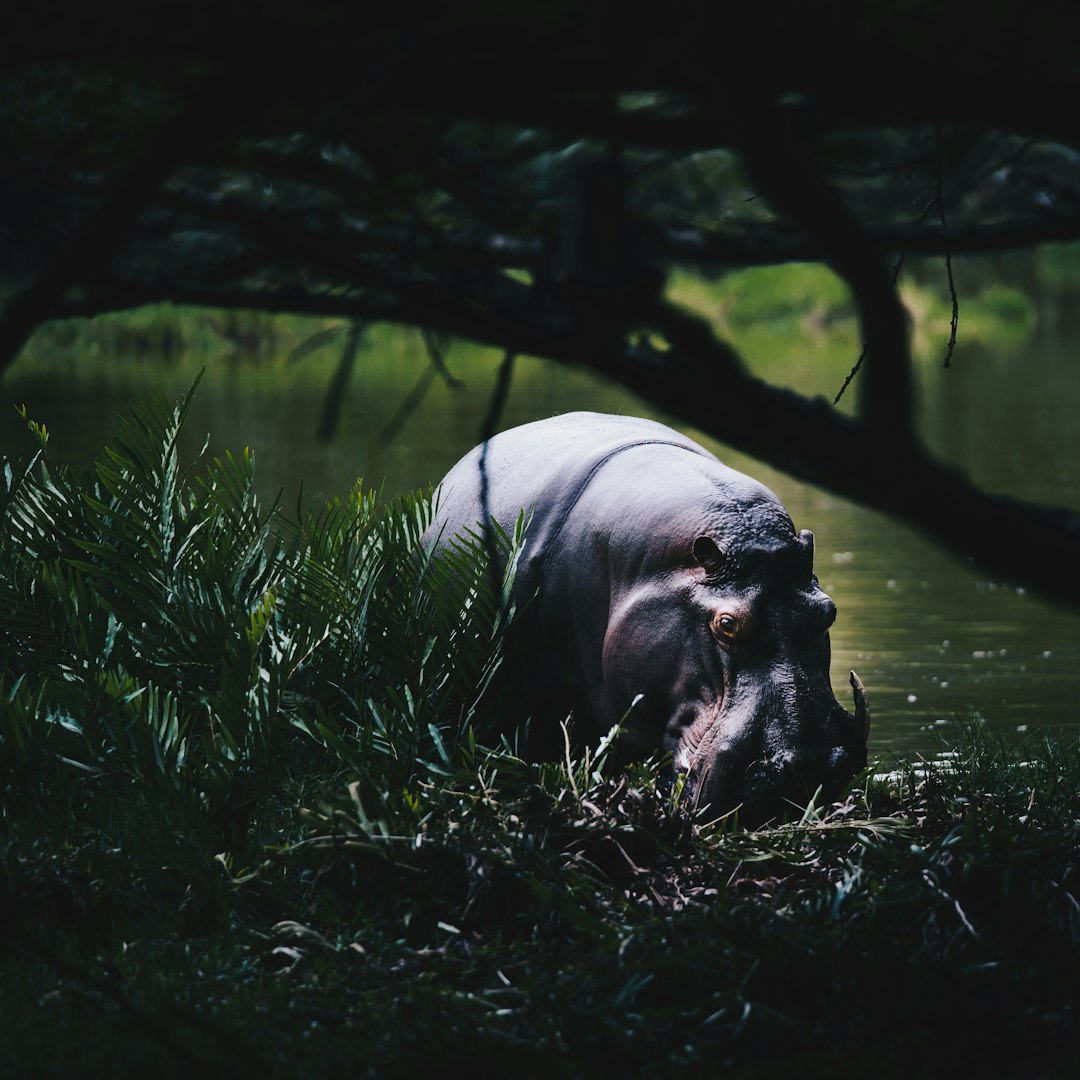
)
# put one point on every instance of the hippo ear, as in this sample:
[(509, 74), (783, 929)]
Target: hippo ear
[(708, 555)]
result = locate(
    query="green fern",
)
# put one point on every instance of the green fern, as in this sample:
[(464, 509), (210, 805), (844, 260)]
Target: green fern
[(157, 626)]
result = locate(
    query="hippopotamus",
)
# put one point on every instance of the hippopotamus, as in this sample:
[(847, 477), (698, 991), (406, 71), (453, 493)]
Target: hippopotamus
[(661, 591)]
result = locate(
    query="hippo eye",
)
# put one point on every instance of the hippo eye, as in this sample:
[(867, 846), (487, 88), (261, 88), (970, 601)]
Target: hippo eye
[(726, 626)]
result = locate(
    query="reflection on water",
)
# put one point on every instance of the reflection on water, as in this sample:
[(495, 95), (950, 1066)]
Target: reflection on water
[(930, 637)]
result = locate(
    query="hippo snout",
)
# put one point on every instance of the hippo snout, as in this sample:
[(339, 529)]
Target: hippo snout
[(795, 777), (774, 787)]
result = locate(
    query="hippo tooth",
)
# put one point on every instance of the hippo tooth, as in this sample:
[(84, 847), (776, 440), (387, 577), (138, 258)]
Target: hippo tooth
[(862, 709)]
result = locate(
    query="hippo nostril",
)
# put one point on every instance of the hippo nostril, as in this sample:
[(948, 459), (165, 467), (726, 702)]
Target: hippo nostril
[(782, 759), (789, 775), (845, 761), (840, 759), (775, 769)]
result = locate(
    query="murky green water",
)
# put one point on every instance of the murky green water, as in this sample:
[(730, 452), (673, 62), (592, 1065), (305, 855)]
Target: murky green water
[(930, 637)]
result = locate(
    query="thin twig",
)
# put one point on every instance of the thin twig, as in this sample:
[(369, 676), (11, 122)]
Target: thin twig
[(497, 403), (417, 394), (335, 392), (850, 375), (411, 403), (862, 356), (487, 431), (948, 255), (955, 320), (313, 343), (438, 361)]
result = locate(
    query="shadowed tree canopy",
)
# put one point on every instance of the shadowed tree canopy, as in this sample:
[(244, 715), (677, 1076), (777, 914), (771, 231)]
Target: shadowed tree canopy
[(526, 174)]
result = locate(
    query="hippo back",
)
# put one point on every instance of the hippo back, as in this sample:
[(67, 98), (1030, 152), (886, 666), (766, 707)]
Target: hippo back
[(542, 468)]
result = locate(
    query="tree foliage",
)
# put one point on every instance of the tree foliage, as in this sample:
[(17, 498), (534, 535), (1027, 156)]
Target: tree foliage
[(528, 175)]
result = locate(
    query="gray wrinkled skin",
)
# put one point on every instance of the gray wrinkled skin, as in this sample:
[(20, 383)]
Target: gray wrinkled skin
[(653, 573)]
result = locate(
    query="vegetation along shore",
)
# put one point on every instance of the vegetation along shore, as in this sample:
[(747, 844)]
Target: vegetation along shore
[(253, 820)]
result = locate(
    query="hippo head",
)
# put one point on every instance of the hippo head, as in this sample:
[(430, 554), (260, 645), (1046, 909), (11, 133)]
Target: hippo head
[(726, 644)]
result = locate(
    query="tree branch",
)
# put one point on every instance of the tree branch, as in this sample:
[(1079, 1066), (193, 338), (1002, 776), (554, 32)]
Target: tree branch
[(805, 438)]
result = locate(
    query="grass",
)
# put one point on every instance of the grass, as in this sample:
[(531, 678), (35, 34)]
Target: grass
[(258, 817)]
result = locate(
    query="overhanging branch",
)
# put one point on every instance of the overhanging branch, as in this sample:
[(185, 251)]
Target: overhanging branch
[(806, 438)]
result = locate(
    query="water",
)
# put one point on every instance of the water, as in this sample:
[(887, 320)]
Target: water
[(931, 637)]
